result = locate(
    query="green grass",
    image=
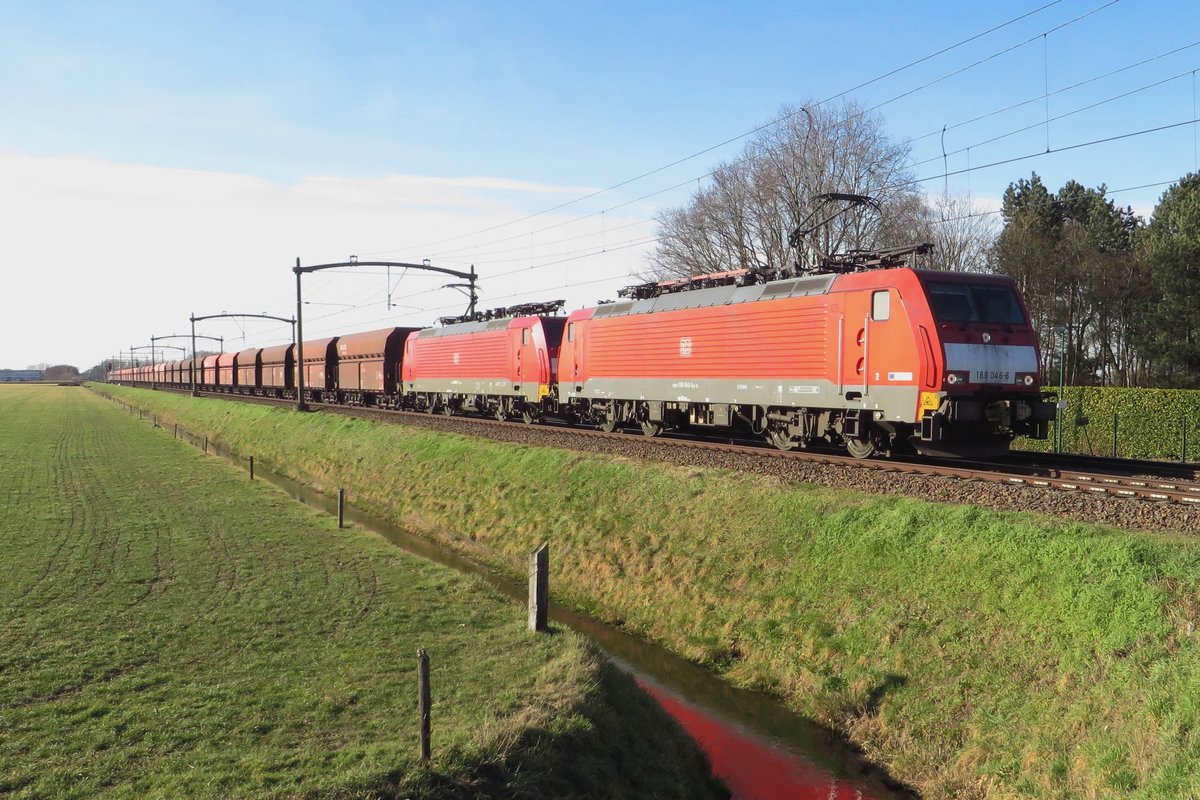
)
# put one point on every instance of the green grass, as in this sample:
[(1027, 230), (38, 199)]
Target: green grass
[(171, 629), (977, 653)]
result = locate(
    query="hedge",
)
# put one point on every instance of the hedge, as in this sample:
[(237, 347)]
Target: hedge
[(1149, 423)]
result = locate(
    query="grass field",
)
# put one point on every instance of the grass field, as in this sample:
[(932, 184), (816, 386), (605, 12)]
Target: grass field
[(977, 653), (171, 629)]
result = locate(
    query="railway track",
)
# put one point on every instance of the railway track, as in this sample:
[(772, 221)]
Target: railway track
[(1126, 479), (1140, 486), (1088, 463)]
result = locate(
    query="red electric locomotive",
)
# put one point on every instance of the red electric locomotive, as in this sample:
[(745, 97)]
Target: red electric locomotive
[(500, 363), (874, 361)]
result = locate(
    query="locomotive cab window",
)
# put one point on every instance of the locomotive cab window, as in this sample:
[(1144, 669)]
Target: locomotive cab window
[(570, 331), (525, 336), (881, 306), (982, 303)]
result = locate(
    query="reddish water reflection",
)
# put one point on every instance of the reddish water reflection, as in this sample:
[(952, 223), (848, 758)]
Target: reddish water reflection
[(753, 766)]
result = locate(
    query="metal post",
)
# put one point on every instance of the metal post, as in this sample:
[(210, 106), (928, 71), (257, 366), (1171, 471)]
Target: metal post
[(424, 701), (1183, 425), (341, 507), (153, 368), (1060, 336), (539, 594), (474, 296), (194, 392), (300, 404)]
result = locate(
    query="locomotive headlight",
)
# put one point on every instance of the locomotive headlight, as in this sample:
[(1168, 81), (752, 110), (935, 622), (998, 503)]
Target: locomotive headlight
[(1028, 380), (955, 378)]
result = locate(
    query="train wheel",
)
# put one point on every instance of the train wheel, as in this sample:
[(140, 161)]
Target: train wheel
[(859, 448), (608, 424), (651, 428), (528, 415), (780, 439)]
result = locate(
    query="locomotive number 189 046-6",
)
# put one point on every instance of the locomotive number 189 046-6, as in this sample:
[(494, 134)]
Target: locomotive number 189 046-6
[(991, 376)]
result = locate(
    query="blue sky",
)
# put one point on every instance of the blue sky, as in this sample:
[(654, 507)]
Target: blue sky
[(187, 122)]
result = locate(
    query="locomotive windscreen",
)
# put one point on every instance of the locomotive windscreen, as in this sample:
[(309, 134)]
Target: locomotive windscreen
[(974, 302)]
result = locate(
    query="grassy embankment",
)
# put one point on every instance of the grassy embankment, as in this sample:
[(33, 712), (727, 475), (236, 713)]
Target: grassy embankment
[(977, 653), (171, 629)]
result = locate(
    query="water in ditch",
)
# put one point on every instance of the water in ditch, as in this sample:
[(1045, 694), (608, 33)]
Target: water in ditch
[(761, 749)]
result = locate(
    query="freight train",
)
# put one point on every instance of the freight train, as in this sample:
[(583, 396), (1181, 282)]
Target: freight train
[(869, 355)]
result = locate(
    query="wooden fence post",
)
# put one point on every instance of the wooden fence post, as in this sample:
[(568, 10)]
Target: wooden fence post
[(206, 444), (424, 701), (539, 592), (341, 507), (251, 467)]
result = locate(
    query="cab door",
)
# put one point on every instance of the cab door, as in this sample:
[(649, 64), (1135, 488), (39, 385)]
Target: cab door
[(868, 340), (518, 347), (855, 339)]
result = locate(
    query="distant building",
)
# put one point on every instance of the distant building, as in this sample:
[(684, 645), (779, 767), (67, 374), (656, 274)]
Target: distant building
[(19, 375)]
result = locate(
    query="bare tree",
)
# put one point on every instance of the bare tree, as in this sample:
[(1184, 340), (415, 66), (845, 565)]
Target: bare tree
[(963, 235), (743, 216)]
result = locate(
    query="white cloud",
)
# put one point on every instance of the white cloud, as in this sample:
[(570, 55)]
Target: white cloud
[(99, 256)]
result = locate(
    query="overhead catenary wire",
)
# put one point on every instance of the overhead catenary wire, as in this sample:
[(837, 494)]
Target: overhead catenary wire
[(1063, 149), (650, 240), (632, 243), (929, 84), (1077, 85), (946, 172), (1028, 156), (1055, 118), (1015, 159), (751, 132), (711, 173)]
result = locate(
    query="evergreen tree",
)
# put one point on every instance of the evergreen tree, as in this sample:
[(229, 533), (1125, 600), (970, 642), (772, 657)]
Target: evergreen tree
[(1072, 253), (1171, 334)]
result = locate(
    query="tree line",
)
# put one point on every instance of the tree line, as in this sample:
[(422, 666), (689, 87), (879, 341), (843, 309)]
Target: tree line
[(1118, 297), (1114, 296)]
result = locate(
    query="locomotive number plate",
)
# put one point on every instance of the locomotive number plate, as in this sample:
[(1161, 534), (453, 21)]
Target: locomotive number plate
[(991, 376)]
